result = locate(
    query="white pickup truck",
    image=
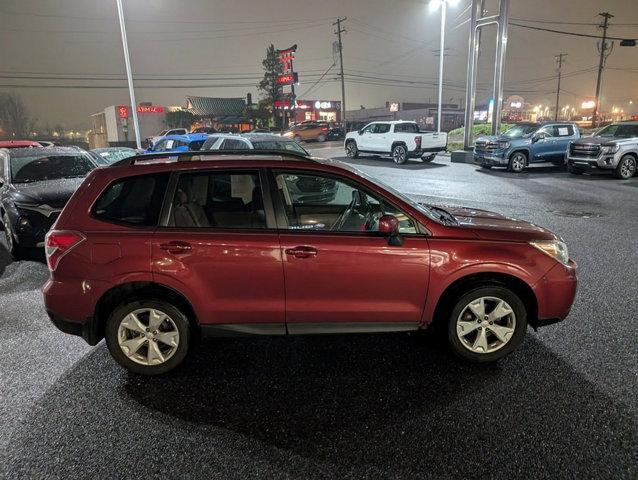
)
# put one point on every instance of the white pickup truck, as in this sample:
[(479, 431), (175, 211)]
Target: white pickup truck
[(400, 139)]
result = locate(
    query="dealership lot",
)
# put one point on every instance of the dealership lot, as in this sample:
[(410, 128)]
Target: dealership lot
[(564, 405)]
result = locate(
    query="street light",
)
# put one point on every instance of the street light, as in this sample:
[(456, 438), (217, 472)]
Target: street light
[(434, 6), (129, 76)]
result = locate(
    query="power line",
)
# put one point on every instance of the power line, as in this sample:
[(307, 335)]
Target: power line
[(563, 32), (318, 80)]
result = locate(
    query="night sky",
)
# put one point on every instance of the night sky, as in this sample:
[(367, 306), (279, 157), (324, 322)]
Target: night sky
[(215, 48)]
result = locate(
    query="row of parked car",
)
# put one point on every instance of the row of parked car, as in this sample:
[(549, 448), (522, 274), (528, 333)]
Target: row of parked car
[(613, 148)]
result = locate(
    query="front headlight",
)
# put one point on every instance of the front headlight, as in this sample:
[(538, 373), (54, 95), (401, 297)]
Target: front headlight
[(503, 145), (610, 148), (554, 248)]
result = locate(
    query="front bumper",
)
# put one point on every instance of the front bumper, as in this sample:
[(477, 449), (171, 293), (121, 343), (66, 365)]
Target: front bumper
[(555, 293), (604, 162), (490, 159)]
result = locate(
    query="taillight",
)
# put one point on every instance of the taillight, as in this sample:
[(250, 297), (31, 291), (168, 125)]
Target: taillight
[(324, 128), (417, 140), (58, 243)]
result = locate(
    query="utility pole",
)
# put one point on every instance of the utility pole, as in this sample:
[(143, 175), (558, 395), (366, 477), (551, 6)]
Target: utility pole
[(343, 85), (559, 59), (601, 64)]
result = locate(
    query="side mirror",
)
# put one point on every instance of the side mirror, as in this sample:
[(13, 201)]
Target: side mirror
[(538, 136), (389, 227), (360, 131)]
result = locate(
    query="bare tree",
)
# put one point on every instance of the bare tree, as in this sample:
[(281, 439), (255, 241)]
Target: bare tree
[(14, 116)]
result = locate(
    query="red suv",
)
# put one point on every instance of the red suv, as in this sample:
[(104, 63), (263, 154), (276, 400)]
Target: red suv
[(152, 254)]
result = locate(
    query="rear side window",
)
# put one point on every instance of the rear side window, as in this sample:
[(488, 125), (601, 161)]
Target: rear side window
[(564, 130), (406, 128), (133, 201)]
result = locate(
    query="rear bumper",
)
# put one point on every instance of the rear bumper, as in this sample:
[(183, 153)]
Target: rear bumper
[(419, 152), (555, 293), (85, 330)]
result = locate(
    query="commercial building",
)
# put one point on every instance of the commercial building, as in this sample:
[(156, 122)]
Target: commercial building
[(423, 113), (114, 125), (315, 110), (219, 113)]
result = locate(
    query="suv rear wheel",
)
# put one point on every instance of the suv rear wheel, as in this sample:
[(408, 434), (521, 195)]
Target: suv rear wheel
[(626, 167), (399, 154), (149, 337), (486, 324)]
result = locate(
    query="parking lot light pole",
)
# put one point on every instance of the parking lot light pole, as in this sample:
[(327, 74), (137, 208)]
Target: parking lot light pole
[(434, 5), (129, 76)]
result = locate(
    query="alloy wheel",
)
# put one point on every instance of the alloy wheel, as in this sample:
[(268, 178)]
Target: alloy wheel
[(486, 324), (518, 162), (148, 336), (399, 154), (628, 167), (351, 149)]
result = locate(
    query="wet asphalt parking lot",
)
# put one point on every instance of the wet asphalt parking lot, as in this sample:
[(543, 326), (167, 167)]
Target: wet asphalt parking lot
[(366, 406)]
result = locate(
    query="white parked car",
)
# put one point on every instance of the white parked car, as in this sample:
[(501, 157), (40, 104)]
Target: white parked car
[(252, 141), (400, 139), (173, 131)]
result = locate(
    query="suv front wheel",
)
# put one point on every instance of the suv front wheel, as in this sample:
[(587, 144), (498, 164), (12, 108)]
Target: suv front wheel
[(518, 162), (486, 324), (149, 337), (626, 167)]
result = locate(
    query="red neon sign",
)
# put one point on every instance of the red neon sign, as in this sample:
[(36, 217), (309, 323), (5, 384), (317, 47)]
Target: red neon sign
[(150, 109), (282, 103), (122, 111), (287, 79)]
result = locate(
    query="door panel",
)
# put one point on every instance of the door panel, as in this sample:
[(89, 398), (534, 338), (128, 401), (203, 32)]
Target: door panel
[(355, 278), (228, 277)]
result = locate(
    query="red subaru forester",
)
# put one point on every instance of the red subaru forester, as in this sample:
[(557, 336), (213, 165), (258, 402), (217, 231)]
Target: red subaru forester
[(156, 250)]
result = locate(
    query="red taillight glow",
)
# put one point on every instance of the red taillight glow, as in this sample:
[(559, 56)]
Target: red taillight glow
[(417, 140), (58, 243)]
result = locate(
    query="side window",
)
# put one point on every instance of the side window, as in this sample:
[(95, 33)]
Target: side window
[(196, 145), (549, 130), (323, 203), (382, 128), (564, 130), (134, 200), (406, 128), (370, 128), (233, 144), (160, 146), (170, 144), (218, 200)]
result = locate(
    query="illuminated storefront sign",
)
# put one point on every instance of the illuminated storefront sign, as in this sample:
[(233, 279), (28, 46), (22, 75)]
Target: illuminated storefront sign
[(287, 79), (150, 109), (122, 111)]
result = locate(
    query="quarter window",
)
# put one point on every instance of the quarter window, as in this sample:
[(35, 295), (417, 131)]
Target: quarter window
[(134, 200), (323, 203), (233, 144), (218, 200)]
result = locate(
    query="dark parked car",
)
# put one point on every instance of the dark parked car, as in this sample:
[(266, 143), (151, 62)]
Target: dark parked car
[(155, 254), (35, 184), (108, 155)]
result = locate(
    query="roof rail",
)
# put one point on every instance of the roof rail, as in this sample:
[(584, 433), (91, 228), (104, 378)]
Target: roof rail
[(187, 156)]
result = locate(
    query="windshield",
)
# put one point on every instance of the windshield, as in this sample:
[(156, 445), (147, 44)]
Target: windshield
[(619, 130), (108, 157), (520, 131), (36, 168), (425, 210), (279, 145)]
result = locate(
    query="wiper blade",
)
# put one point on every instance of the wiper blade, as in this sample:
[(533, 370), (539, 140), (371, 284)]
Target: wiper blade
[(445, 215)]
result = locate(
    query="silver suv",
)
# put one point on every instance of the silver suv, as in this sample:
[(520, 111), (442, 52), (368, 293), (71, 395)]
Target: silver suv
[(614, 147)]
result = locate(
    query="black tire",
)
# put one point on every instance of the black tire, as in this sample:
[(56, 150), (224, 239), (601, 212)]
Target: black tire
[(626, 167), (486, 167), (400, 154), (15, 250), (520, 327), (518, 162), (321, 138), (573, 170), (351, 149), (428, 158), (177, 316)]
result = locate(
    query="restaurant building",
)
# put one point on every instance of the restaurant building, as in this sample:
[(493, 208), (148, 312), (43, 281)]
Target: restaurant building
[(317, 110)]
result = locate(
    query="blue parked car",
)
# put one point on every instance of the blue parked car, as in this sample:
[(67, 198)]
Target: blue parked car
[(178, 143), (524, 144)]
